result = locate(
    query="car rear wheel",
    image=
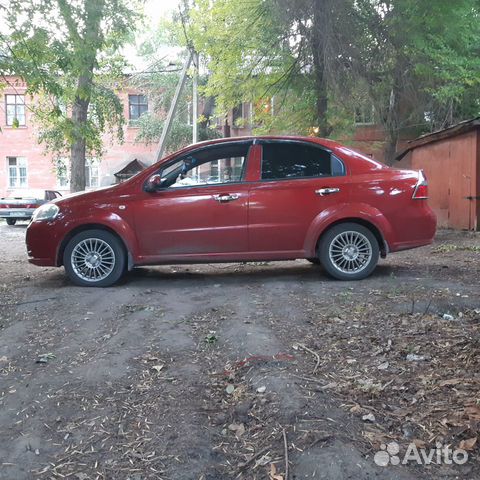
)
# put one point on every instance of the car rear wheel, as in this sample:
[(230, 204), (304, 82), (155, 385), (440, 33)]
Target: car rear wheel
[(94, 258), (11, 221), (349, 251)]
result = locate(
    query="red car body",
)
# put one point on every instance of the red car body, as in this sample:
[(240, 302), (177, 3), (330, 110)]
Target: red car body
[(268, 220)]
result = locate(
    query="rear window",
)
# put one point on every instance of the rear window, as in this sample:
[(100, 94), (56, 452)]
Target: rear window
[(297, 160)]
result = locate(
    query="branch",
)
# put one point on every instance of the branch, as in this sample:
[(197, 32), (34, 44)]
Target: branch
[(67, 15)]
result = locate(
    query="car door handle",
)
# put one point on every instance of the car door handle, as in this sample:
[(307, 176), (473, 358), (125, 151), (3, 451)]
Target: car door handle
[(326, 191), (227, 197)]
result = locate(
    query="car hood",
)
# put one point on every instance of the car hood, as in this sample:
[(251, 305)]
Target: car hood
[(87, 197)]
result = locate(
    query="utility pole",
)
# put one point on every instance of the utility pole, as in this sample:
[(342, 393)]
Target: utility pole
[(195, 98), (173, 107)]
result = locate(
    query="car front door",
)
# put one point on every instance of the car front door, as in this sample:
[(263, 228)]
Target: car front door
[(200, 208), (298, 181)]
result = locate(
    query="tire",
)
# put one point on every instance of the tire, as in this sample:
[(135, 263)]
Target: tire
[(94, 258), (349, 251), (11, 221)]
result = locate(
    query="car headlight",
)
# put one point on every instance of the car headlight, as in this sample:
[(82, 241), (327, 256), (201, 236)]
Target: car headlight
[(48, 211)]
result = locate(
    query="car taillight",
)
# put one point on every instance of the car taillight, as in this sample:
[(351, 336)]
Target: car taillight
[(421, 189)]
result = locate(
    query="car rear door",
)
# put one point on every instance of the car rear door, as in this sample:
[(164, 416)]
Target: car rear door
[(203, 213), (298, 181)]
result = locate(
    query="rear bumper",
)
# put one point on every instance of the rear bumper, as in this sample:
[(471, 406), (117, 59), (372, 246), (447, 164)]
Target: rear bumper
[(422, 225), (17, 213)]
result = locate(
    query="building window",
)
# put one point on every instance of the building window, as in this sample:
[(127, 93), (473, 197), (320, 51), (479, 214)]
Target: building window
[(17, 172), (62, 169), (137, 106), (240, 115), (62, 172), (91, 173), (15, 109)]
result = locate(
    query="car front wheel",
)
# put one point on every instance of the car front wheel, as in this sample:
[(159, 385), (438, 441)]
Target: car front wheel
[(94, 258), (349, 251), (11, 221)]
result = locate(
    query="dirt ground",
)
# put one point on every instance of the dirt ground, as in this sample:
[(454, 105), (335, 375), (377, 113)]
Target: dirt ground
[(228, 371)]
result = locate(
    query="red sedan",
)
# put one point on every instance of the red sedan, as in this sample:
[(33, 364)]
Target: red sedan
[(239, 199)]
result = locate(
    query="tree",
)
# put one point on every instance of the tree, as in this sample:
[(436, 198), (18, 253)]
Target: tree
[(321, 58), (287, 49), (420, 70), (67, 52)]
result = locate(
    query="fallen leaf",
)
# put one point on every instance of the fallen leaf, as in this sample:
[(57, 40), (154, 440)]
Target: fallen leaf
[(452, 422), (157, 368), (451, 381), (237, 428), (468, 444), (419, 443), (473, 412), (273, 473), (357, 409), (375, 437)]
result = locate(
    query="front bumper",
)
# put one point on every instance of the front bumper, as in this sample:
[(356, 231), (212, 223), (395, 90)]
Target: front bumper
[(43, 240), (17, 213)]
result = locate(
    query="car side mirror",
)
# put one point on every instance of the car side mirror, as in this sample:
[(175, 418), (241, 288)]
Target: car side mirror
[(153, 183)]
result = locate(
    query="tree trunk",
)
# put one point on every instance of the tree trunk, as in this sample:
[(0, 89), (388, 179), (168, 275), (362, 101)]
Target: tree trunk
[(320, 20), (393, 117), (391, 149), (86, 48), (79, 120)]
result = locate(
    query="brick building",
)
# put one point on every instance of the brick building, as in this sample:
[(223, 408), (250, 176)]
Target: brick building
[(24, 165)]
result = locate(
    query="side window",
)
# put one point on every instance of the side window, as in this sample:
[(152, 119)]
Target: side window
[(215, 165), (338, 168), (294, 160)]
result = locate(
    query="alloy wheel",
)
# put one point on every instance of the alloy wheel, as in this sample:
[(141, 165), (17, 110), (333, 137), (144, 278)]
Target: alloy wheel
[(350, 252), (92, 259)]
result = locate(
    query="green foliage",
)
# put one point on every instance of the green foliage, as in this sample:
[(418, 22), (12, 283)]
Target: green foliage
[(67, 52), (417, 63), (249, 56), (430, 62), (160, 88)]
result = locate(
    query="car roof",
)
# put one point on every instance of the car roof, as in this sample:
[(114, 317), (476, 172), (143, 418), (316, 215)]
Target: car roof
[(320, 141)]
